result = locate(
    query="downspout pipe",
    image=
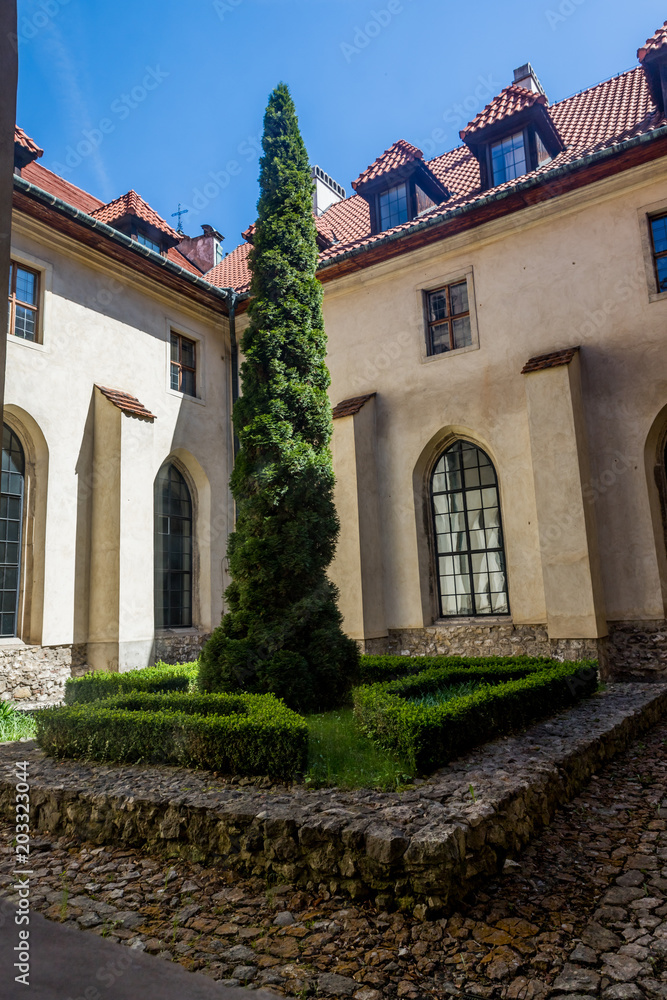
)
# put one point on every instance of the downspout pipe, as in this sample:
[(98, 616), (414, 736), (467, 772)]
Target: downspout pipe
[(232, 296)]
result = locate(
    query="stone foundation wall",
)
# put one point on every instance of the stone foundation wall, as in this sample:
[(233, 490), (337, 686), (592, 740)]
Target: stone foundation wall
[(179, 646), (636, 650), (481, 639), (38, 673)]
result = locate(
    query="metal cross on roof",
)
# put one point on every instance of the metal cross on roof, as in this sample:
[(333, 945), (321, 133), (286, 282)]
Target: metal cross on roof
[(179, 213)]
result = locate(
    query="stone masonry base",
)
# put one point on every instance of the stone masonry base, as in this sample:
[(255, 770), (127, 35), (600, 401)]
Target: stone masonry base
[(431, 843), (38, 673), (477, 638)]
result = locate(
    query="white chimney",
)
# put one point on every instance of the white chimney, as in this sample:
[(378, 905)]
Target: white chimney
[(526, 77), (327, 191)]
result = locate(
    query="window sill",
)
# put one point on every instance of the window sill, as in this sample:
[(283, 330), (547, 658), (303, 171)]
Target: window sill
[(475, 619), (657, 297), (34, 345), (186, 395), (429, 358), (177, 630), (12, 641)]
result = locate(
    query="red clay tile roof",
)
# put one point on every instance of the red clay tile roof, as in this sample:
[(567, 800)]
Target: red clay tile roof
[(611, 112), (396, 156), (654, 43), (175, 255), (232, 271), (553, 360), (25, 141), (348, 407), (509, 102), (132, 204), (42, 178), (128, 404)]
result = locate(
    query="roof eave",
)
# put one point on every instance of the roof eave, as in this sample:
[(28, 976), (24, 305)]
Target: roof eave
[(62, 208), (327, 269)]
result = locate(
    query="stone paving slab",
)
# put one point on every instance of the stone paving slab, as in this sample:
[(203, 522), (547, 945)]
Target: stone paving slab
[(431, 843), (65, 963)]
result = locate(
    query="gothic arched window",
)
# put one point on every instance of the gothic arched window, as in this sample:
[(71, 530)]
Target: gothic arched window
[(470, 554), (11, 529), (173, 550)]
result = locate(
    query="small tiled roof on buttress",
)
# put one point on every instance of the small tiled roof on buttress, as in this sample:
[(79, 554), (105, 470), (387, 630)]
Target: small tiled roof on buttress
[(553, 360), (128, 404), (348, 407), (590, 121)]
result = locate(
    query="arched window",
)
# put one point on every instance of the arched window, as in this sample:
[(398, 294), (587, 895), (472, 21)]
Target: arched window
[(173, 550), (468, 533), (11, 529)]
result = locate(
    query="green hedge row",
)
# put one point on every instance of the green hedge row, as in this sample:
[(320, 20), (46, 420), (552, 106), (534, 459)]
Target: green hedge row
[(382, 668), (431, 735), (104, 684), (234, 734)]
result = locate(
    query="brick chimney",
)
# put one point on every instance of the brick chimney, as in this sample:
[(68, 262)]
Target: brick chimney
[(327, 191), (526, 77), (204, 251)]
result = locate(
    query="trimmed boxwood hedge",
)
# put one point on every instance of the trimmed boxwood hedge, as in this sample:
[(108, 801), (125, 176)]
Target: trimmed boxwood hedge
[(104, 684), (431, 735), (383, 668), (235, 734)]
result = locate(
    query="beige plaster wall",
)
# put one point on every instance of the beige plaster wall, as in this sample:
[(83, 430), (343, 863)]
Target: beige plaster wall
[(567, 273), (104, 324)]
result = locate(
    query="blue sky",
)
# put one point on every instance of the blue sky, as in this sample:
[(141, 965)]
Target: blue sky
[(167, 96)]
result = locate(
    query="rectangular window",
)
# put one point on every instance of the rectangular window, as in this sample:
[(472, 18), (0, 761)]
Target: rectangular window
[(393, 207), (508, 158), (23, 302), (659, 237), (448, 318), (183, 364), (145, 241)]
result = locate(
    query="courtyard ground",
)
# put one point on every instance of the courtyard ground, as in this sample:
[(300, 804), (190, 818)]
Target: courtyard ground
[(584, 913)]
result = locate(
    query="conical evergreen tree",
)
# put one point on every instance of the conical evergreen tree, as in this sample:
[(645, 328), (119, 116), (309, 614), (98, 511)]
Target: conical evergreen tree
[(283, 630)]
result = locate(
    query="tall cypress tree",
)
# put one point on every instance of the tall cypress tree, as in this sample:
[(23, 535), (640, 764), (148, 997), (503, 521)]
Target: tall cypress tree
[(283, 632)]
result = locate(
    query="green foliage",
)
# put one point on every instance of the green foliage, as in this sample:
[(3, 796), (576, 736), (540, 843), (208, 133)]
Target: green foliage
[(383, 668), (443, 694), (232, 734), (340, 754), (104, 684), (431, 735), (14, 724), (283, 632)]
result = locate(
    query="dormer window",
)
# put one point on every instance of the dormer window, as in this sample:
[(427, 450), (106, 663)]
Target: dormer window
[(147, 242), (514, 134), (393, 207), (399, 187), (508, 158)]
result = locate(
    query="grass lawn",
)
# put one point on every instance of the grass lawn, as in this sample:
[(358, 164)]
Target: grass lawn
[(339, 754), (14, 725)]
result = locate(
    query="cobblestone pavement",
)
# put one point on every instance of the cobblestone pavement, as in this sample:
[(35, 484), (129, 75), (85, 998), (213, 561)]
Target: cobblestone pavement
[(583, 913)]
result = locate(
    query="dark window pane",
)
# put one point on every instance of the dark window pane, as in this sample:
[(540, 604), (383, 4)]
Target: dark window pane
[(659, 229), (437, 305), (393, 207), (459, 294), (187, 382), (26, 286), (24, 323), (173, 555), (662, 273), (11, 520), (174, 347), (461, 332), (440, 338), (187, 353), (466, 519), (508, 158)]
